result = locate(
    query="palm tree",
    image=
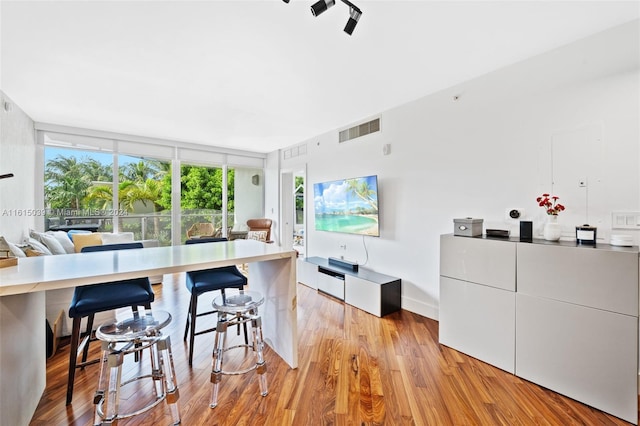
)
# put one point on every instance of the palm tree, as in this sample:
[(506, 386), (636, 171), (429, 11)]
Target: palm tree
[(143, 170), (360, 188), (101, 196), (148, 191), (67, 180)]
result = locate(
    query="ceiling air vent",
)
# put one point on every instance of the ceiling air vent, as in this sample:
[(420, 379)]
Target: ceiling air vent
[(360, 130)]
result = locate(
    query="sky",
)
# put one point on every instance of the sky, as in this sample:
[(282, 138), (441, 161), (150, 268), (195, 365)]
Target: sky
[(103, 157)]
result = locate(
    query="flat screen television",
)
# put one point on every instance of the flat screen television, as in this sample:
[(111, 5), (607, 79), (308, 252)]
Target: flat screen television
[(348, 206)]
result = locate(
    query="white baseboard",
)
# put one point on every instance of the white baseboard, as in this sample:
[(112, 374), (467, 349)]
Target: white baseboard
[(420, 308)]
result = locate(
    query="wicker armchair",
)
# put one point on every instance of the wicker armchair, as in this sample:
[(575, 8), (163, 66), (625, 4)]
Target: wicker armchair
[(201, 230)]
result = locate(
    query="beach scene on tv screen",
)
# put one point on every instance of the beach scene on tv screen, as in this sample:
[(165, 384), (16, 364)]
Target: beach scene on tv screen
[(348, 205)]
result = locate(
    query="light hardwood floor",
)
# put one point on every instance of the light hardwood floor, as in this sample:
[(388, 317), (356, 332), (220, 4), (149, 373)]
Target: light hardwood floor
[(354, 369)]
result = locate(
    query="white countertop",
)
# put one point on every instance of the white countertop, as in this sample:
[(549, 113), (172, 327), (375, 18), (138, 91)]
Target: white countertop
[(33, 274)]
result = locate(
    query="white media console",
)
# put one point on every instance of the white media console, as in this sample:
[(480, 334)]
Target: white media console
[(370, 291), (561, 315)]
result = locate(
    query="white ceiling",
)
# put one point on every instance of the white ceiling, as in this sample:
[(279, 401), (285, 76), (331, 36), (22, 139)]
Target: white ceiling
[(262, 75)]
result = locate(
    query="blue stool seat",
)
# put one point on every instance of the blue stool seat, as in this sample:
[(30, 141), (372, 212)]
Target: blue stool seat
[(91, 299), (210, 280), (199, 282)]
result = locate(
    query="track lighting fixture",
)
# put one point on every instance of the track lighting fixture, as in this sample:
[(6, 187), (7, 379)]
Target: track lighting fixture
[(354, 13), (320, 6), (354, 17)]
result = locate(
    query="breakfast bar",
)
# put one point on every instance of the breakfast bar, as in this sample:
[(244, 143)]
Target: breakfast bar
[(22, 303)]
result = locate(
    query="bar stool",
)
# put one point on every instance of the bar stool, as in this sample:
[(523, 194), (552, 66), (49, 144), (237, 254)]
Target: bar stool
[(237, 308), (134, 335), (88, 300), (204, 281)]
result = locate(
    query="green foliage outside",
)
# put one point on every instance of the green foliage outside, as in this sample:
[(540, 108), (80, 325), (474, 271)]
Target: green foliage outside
[(200, 188), (299, 187), (85, 183), (299, 191)]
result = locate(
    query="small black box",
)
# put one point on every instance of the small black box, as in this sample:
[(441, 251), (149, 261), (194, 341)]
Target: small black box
[(526, 230)]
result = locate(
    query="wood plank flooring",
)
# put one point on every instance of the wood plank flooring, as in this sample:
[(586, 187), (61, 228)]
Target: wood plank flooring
[(354, 369)]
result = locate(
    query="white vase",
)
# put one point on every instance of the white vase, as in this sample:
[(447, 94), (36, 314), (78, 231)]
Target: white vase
[(552, 229)]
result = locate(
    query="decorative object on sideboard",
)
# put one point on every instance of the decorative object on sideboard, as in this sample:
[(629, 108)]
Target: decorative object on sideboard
[(515, 213), (552, 229), (526, 230), (498, 233), (467, 227), (621, 240), (586, 234)]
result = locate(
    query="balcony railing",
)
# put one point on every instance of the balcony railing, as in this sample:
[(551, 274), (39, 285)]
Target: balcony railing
[(144, 226)]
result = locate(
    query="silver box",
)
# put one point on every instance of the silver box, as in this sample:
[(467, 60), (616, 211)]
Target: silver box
[(467, 227)]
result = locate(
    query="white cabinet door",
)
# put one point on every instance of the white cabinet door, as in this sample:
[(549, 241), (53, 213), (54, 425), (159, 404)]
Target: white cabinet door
[(479, 321), (307, 273), (604, 279), (363, 294), (585, 353), (488, 262), (331, 285)]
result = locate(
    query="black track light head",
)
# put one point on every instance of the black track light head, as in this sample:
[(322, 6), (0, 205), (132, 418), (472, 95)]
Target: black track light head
[(354, 17), (321, 5)]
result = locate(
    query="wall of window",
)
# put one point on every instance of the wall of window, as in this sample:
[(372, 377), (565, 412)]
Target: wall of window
[(153, 176)]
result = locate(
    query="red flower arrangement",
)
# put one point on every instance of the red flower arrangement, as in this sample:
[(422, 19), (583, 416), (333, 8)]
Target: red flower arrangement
[(550, 204)]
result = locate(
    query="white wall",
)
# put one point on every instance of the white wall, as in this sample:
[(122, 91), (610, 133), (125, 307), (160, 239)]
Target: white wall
[(248, 202), (25, 372), (17, 153), (272, 194), (486, 152)]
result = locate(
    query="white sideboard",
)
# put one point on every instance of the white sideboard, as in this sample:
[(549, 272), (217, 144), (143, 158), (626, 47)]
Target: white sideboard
[(570, 317)]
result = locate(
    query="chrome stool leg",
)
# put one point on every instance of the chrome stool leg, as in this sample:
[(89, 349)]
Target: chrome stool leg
[(114, 364), (218, 353), (170, 383), (99, 396), (258, 347)]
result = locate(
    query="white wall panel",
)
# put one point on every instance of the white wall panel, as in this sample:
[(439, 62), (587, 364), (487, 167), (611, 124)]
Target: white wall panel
[(19, 394)]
